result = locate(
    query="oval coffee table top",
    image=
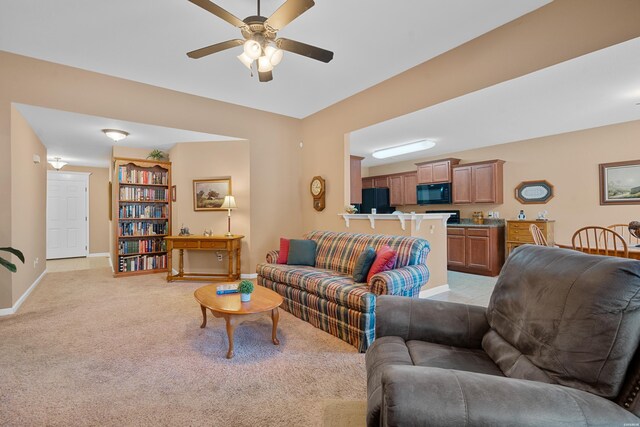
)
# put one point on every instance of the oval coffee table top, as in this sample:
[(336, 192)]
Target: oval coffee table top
[(262, 299)]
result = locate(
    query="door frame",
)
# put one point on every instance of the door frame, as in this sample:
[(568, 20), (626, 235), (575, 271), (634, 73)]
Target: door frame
[(86, 180)]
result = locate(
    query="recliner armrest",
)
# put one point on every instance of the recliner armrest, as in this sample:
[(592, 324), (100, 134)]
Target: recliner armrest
[(440, 397), (439, 322)]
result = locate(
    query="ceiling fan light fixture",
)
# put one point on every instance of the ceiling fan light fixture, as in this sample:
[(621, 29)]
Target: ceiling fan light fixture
[(252, 49), (274, 54), (56, 163), (264, 64), (246, 61), (115, 134), (423, 144)]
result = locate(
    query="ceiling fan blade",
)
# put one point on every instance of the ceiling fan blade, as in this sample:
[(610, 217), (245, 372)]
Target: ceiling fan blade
[(286, 13), (199, 53), (220, 12), (265, 76), (305, 50)]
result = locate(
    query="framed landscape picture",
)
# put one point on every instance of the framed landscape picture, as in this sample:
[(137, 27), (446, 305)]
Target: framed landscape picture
[(620, 183), (208, 194)]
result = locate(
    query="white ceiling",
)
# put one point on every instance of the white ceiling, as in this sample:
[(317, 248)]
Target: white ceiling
[(594, 90), (147, 41), (78, 138)]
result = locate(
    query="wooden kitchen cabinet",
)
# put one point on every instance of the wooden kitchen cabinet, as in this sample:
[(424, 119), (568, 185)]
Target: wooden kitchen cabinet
[(409, 184), (396, 190), (476, 250), (381, 182), (435, 172), (356, 179), (456, 252), (367, 183), (480, 182)]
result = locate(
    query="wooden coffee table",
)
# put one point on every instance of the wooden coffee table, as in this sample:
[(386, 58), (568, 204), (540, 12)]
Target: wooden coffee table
[(233, 311)]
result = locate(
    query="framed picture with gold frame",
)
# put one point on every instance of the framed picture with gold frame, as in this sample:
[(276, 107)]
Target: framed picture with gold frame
[(208, 194)]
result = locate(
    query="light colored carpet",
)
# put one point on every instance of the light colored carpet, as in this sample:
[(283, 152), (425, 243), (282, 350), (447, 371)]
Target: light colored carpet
[(87, 349)]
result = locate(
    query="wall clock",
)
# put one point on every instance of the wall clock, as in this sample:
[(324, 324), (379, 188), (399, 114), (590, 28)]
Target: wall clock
[(317, 188), (530, 192)]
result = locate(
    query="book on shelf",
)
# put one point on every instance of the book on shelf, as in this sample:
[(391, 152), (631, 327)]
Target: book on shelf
[(135, 176), (137, 194), (141, 263)]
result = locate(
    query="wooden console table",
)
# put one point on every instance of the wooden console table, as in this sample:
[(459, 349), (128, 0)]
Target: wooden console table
[(229, 244)]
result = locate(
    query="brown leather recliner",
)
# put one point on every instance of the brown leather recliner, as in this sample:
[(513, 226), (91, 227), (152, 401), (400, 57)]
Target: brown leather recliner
[(557, 345)]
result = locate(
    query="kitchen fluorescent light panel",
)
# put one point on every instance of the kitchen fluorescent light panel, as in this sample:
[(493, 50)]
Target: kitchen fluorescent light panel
[(404, 149)]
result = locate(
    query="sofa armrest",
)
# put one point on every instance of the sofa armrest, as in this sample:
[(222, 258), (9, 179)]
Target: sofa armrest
[(440, 397), (403, 281), (272, 256), (439, 322)]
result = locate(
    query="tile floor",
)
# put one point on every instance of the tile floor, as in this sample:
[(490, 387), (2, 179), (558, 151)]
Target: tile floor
[(72, 264), (464, 288), (467, 289)]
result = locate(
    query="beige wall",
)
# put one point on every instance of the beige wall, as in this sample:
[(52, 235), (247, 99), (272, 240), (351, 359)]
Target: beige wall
[(28, 205), (99, 234), (274, 153), (568, 161), (201, 160), (562, 30)]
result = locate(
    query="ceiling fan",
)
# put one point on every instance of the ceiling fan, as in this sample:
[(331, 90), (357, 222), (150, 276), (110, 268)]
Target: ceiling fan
[(260, 42)]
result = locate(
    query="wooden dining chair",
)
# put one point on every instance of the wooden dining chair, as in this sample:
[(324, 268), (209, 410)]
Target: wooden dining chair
[(623, 230), (599, 241), (538, 236)]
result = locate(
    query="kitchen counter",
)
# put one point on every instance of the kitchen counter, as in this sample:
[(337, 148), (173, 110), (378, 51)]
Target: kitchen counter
[(488, 223)]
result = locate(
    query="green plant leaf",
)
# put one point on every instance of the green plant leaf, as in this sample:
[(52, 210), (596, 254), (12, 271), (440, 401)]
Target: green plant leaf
[(16, 252), (9, 265)]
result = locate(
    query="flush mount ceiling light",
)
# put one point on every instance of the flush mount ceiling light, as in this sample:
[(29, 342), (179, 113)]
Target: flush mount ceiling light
[(260, 43), (412, 147), (115, 134), (56, 163)]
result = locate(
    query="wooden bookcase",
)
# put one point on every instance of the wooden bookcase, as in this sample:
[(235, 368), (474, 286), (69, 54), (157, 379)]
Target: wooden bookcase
[(141, 215)]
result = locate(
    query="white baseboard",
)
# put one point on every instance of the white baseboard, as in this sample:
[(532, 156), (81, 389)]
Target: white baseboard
[(111, 264), (16, 306), (434, 291), (99, 254)]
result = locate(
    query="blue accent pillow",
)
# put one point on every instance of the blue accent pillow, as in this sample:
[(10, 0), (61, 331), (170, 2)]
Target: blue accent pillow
[(363, 264), (302, 252)]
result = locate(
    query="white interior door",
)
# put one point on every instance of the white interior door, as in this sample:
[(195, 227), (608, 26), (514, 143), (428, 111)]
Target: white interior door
[(67, 214)]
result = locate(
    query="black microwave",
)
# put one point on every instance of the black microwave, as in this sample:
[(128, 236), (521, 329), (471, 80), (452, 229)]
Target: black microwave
[(434, 194)]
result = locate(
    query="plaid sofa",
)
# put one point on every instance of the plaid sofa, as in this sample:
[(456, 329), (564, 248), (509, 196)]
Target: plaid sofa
[(326, 295)]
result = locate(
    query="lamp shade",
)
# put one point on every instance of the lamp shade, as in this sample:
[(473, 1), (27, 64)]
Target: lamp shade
[(57, 163), (244, 58), (229, 202), (274, 55), (264, 64), (115, 134), (252, 49)]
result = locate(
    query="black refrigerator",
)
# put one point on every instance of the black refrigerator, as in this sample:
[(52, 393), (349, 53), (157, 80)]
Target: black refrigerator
[(376, 198)]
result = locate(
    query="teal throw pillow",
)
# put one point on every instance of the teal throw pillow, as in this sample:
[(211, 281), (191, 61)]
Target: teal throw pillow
[(302, 252), (363, 264)]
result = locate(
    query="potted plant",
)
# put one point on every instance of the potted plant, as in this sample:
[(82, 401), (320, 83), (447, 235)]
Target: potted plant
[(11, 266), (157, 155), (245, 288)]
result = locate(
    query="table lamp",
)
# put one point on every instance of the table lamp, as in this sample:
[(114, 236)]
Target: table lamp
[(229, 203)]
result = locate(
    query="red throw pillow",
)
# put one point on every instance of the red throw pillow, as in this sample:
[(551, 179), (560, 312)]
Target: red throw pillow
[(284, 251), (385, 260)]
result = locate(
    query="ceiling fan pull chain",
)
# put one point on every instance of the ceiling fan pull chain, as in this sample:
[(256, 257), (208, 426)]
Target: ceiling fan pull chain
[(258, 7)]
